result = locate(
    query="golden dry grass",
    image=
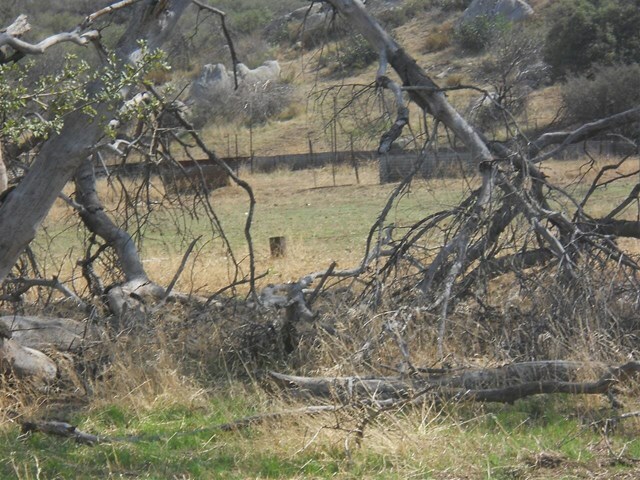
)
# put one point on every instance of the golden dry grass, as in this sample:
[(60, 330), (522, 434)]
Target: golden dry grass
[(323, 223)]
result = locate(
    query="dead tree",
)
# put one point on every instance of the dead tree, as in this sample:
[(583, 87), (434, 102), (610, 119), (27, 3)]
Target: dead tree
[(513, 221)]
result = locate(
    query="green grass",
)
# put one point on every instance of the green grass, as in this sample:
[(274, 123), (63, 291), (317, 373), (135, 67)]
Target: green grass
[(470, 440)]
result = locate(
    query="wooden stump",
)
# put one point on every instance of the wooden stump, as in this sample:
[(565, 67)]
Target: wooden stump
[(278, 246)]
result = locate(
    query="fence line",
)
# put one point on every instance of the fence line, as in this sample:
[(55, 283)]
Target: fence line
[(393, 166)]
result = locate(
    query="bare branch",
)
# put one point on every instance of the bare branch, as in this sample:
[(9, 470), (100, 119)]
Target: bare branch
[(25, 284), (26, 48), (185, 257), (227, 36), (105, 11), (580, 134), (402, 117)]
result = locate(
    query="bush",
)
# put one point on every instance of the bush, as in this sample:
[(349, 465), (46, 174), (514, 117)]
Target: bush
[(586, 32), (474, 35), (355, 54), (251, 20), (248, 105), (609, 90), (439, 38)]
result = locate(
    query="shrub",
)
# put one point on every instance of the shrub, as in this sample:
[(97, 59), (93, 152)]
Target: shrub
[(355, 54), (609, 90), (439, 39), (448, 5), (249, 104), (251, 20), (586, 32), (474, 35)]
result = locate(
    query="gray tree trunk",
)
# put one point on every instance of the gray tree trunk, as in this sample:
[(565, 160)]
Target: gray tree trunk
[(4, 178), (98, 222)]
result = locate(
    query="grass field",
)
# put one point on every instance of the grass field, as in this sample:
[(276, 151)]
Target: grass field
[(323, 223)]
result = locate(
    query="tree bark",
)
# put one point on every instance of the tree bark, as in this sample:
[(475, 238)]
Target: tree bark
[(4, 178), (26, 207)]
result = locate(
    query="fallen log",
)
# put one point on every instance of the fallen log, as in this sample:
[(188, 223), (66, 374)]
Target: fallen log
[(26, 363), (64, 334), (62, 429), (504, 384)]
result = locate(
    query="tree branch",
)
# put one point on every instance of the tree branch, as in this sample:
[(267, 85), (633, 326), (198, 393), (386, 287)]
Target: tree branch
[(580, 134)]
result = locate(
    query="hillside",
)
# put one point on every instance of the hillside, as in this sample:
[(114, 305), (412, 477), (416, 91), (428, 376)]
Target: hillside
[(328, 57), (427, 33)]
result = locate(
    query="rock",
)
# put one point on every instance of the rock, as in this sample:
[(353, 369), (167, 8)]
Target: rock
[(269, 71), (213, 78), (305, 25), (63, 334), (512, 10), (25, 362)]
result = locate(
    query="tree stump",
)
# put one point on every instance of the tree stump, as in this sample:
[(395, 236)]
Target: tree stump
[(278, 246)]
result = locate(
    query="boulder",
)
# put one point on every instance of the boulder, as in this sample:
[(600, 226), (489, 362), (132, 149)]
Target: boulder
[(269, 71), (512, 10), (215, 79), (212, 79)]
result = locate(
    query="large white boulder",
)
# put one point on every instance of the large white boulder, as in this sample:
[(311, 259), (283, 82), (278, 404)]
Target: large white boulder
[(216, 79)]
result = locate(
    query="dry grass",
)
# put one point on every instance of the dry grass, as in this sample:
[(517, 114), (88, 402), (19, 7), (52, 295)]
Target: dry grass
[(323, 223)]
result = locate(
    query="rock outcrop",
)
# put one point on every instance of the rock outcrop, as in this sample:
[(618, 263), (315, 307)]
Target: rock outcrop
[(216, 79)]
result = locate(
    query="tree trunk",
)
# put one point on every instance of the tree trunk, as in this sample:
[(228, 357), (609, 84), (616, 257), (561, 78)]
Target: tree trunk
[(98, 222), (4, 178)]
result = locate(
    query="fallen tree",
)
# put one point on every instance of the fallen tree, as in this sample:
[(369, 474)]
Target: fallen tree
[(503, 384), (513, 221)]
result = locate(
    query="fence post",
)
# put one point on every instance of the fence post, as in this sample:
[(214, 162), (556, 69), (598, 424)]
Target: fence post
[(335, 139), (354, 160), (383, 167), (311, 161), (278, 246)]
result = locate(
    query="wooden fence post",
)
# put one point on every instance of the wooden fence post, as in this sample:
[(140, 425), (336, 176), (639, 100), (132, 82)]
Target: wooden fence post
[(278, 246), (354, 160)]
